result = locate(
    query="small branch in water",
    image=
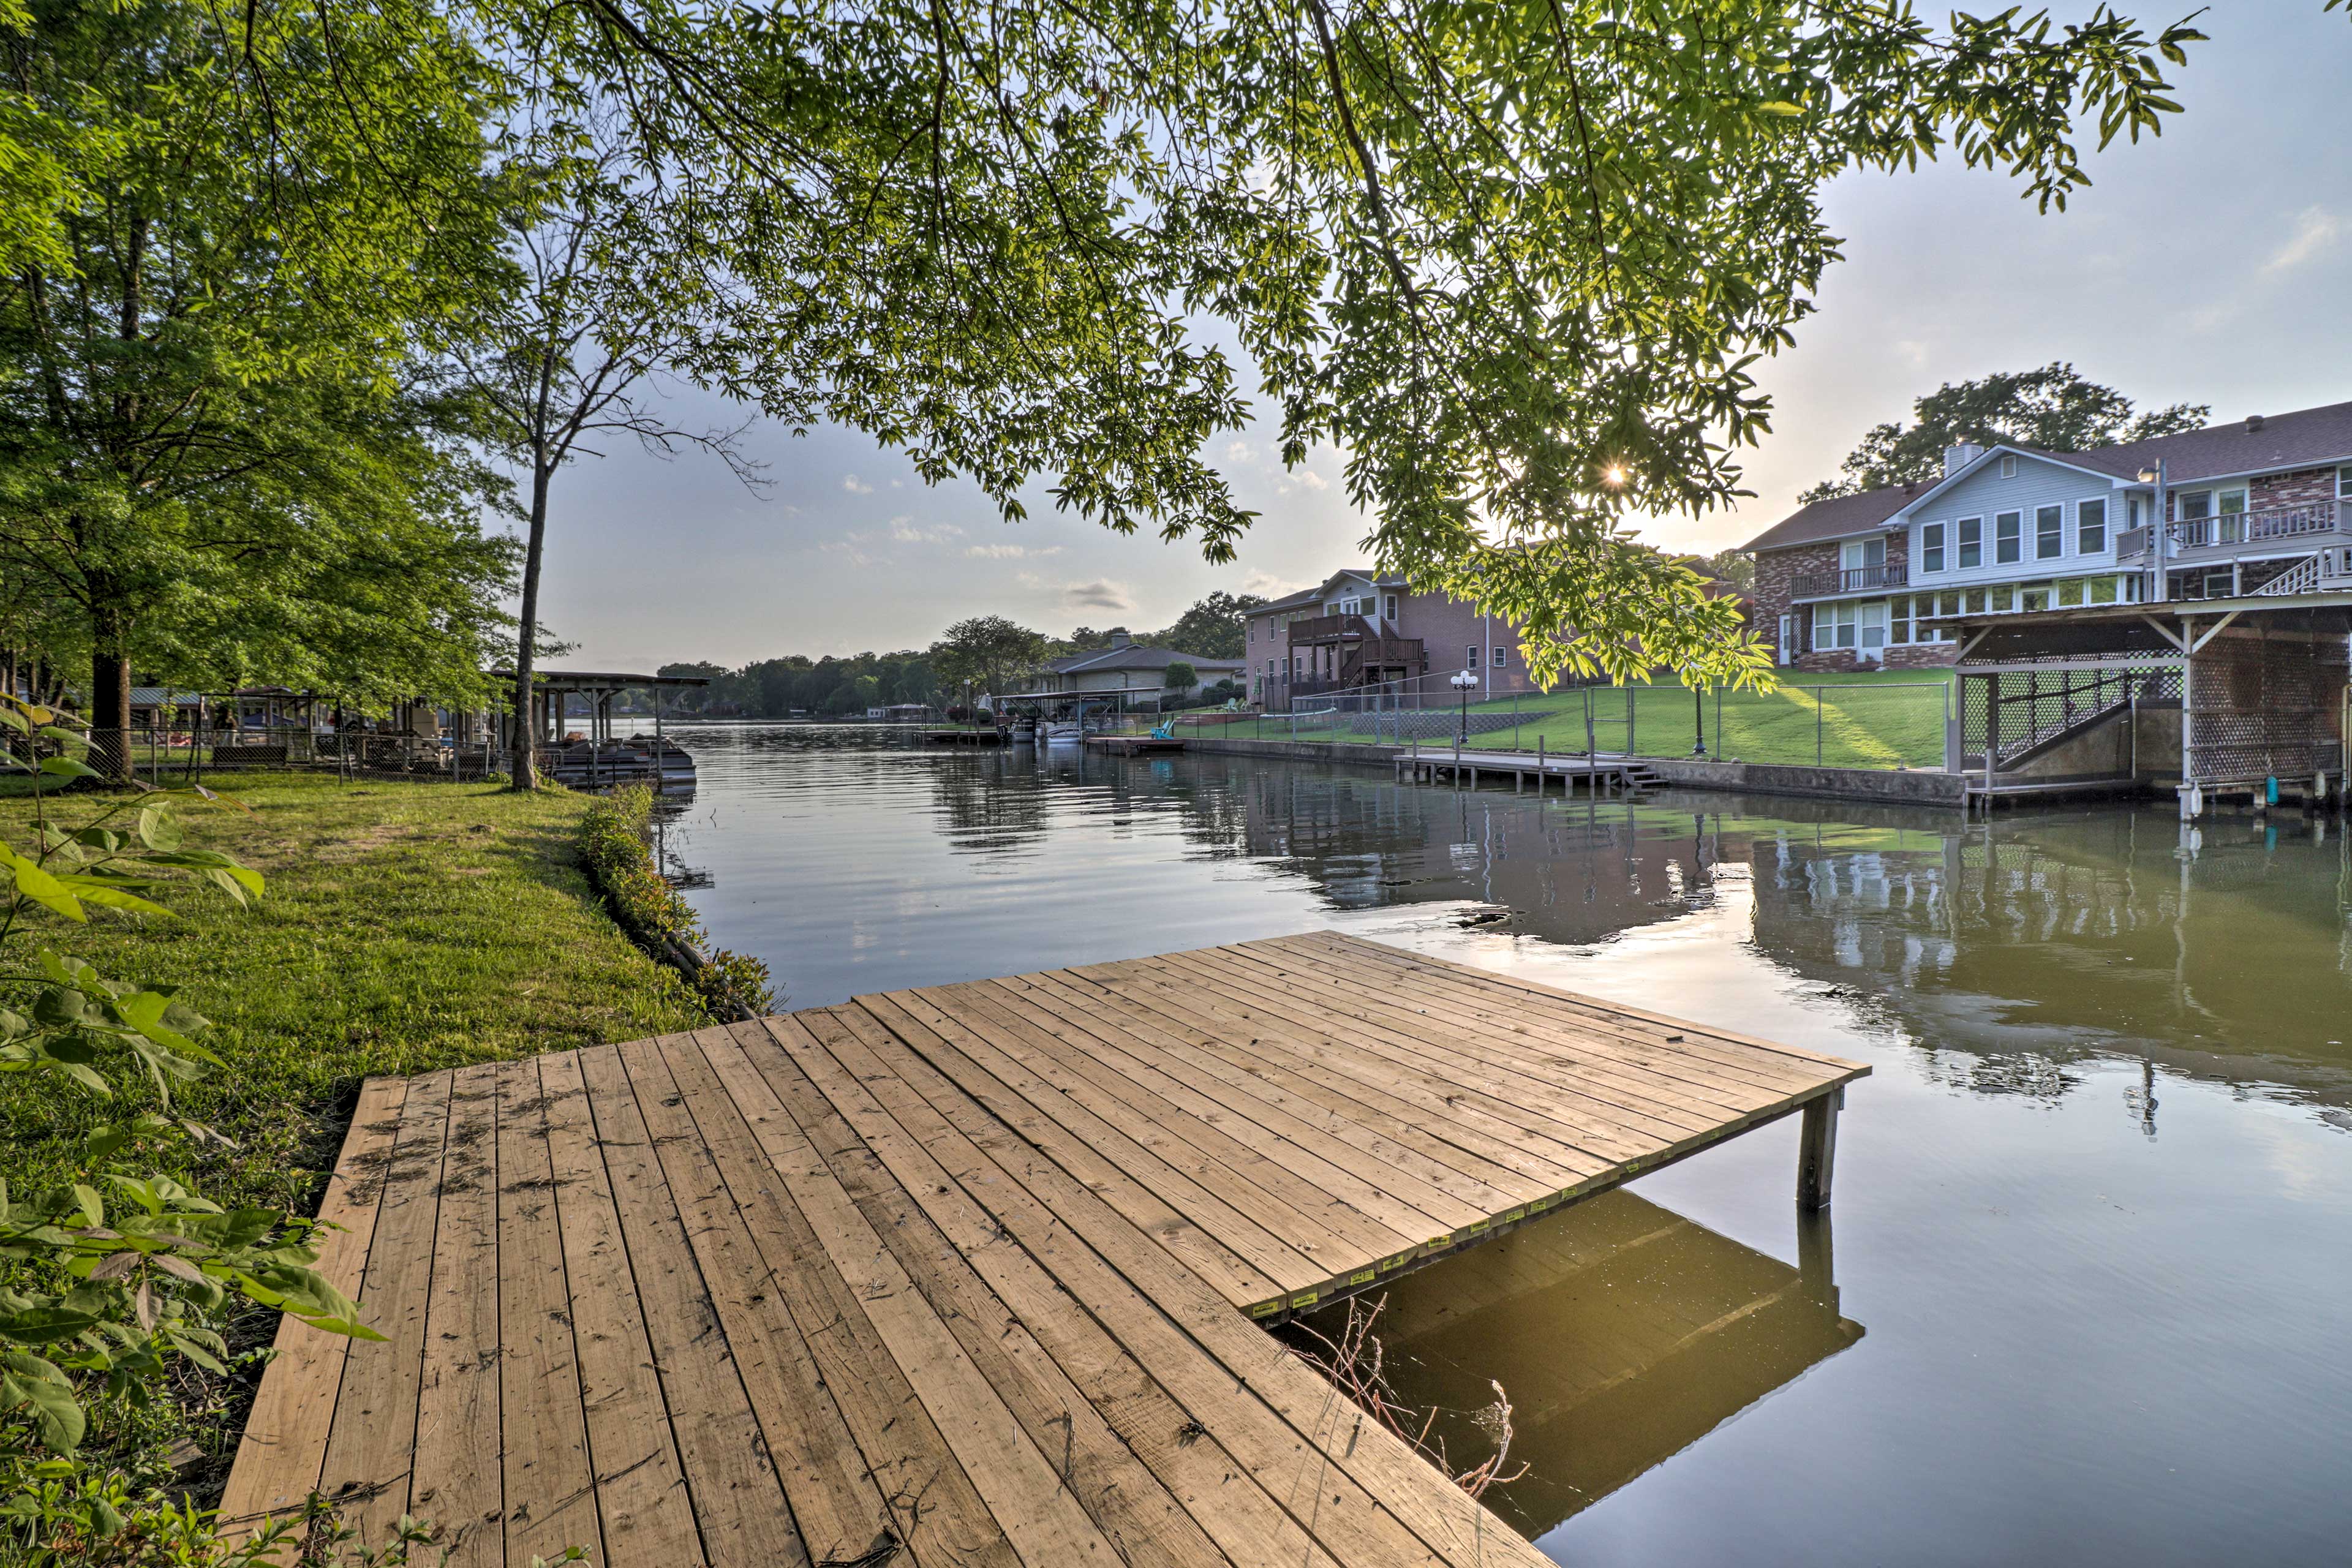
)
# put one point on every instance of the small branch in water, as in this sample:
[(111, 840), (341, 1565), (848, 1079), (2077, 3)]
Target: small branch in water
[(1356, 1364)]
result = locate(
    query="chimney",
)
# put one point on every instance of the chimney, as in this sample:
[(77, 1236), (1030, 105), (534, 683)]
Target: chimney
[(1118, 638), (2253, 424), (1960, 456)]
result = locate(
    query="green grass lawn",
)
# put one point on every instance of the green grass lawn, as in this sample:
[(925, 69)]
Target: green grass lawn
[(406, 926), (1879, 719)]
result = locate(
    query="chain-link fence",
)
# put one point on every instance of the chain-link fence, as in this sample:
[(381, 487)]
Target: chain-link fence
[(1866, 721), (166, 754)]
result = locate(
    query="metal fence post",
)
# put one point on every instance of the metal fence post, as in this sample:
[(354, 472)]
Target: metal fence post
[(1817, 724), (1629, 719)]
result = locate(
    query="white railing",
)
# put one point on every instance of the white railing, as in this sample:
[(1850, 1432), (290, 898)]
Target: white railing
[(2303, 577), (2253, 527)]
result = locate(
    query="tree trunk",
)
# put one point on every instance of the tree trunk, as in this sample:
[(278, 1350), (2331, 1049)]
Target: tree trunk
[(526, 731), (110, 707)]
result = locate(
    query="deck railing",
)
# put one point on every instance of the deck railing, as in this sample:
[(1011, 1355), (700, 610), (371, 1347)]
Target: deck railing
[(1855, 579), (2253, 527)]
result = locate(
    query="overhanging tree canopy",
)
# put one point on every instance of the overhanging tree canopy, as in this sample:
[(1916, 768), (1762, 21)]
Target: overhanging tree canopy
[(1518, 260)]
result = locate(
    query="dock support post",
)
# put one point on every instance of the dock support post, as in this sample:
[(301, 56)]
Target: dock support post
[(1816, 1257), (1817, 1150)]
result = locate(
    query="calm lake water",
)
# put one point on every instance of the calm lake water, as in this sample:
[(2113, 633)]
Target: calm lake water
[(2088, 1295)]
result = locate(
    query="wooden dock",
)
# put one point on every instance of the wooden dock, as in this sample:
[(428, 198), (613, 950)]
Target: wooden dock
[(1602, 774), (1134, 745), (966, 737), (965, 1274)]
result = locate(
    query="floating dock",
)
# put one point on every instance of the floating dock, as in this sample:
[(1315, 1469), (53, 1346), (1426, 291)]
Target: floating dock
[(1132, 745), (965, 1274), (966, 737), (1602, 774)]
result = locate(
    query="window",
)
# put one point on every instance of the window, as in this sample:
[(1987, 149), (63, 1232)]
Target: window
[(2090, 527), (2232, 509), (2034, 596), (2004, 598), (2135, 588), (2069, 591), (1391, 612), (2101, 591), (1898, 619), (1870, 621), (1470, 659), (1502, 658), (2189, 505), (1833, 626), (1976, 602), (2008, 466), (2049, 533), (1971, 541), (2131, 512), (1931, 547), (2343, 483), (2005, 538)]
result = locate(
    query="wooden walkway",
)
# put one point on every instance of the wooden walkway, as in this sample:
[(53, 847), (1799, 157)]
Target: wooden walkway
[(964, 1274), (1605, 773)]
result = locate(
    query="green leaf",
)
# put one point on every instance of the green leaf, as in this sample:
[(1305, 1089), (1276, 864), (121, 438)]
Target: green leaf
[(37, 885), (29, 1383), (66, 767), (157, 830)]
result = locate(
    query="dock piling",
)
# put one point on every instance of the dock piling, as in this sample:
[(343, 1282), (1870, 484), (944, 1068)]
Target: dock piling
[(1817, 1150)]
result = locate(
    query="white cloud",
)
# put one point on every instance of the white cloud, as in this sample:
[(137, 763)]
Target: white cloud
[(1313, 480), (1239, 452), (2315, 230), (1267, 585), (1099, 595), (906, 530), (855, 485), (1009, 552)]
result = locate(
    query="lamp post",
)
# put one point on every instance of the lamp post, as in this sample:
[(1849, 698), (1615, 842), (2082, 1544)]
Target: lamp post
[(1464, 683), (1698, 718)]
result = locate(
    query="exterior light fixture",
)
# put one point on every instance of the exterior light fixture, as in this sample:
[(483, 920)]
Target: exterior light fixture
[(1465, 683)]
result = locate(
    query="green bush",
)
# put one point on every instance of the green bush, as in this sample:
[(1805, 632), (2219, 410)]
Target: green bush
[(613, 846)]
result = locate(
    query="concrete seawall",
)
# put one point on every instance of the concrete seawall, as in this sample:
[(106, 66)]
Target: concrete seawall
[(1887, 787)]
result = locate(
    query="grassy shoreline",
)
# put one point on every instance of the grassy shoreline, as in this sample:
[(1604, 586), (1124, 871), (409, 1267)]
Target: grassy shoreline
[(407, 928)]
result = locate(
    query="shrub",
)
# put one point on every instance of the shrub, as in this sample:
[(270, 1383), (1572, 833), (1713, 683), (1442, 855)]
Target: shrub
[(614, 848)]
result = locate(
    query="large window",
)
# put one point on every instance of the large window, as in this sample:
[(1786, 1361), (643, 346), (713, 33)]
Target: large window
[(1390, 612), (2232, 506), (2005, 537), (2049, 533), (2090, 527), (2343, 483), (1971, 530), (1898, 619), (1833, 626), (1931, 547)]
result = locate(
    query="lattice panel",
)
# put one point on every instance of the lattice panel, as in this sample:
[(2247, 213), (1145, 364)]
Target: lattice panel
[(2021, 710), (2265, 706)]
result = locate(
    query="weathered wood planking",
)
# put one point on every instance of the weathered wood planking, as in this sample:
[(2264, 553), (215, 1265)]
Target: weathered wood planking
[(962, 1274)]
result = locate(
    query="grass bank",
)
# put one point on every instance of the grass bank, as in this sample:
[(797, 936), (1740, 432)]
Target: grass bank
[(405, 928), (1877, 720)]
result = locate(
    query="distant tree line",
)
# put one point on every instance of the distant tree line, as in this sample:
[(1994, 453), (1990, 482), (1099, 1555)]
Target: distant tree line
[(982, 654)]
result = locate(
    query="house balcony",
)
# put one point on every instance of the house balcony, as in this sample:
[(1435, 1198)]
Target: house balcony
[(2284, 530), (1854, 580)]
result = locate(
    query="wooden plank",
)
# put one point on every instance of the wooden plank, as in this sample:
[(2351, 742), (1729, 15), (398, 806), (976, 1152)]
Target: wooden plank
[(1598, 1006), (1454, 1095), (1723, 1071), (643, 1509), (913, 1192), (1362, 1494), (1324, 1098), (958, 1256), (1266, 1097), (739, 1504), (1247, 1219), (455, 1484), (985, 1403), (1149, 1105), (549, 1484), (284, 1445), (1399, 1199), (1603, 1103), (1212, 1254), (366, 1471), (863, 1464)]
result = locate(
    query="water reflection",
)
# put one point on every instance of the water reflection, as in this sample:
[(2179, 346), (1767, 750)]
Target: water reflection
[(1621, 1333)]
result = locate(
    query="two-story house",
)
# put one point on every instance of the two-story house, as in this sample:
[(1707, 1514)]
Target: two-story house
[(2258, 507), (1360, 629), (1126, 670)]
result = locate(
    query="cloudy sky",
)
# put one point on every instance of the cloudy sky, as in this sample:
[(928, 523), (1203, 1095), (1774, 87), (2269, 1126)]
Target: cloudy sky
[(2213, 265)]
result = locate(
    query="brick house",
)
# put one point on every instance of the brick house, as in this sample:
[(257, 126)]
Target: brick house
[(1360, 628), (2261, 506)]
